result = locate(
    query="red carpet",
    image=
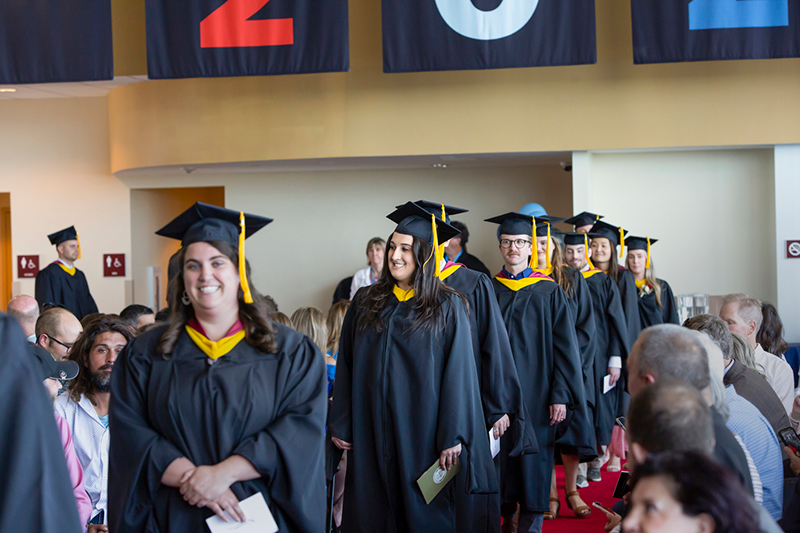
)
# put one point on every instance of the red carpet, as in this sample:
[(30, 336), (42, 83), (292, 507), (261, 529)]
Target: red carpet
[(600, 491)]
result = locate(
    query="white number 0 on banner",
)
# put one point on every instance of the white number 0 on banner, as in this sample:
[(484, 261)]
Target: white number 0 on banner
[(507, 19)]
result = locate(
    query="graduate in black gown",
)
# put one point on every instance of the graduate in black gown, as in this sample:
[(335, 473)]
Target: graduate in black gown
[(583, 222), (541, 330), (61, 282), (220, 404), (656, 301), (35, 489), (611, 335), (406, 394), (501, 396), (550, 253)]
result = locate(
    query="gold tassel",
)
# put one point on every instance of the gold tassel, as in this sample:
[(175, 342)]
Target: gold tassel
[(439, 249), (78, 238), (586, 251), (547, 248), (621, 242), (534, 263), (248, 296), (648, 254)]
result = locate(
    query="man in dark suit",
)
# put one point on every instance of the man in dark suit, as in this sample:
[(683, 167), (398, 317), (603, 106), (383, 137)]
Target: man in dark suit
[(748, 383), (456, 251)]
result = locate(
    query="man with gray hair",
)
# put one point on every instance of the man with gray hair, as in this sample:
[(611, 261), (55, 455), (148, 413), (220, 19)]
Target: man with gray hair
[(748, 383), (743, 315), (25, 310)]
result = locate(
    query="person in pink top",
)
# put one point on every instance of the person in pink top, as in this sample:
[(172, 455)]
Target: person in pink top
[(52, 372)]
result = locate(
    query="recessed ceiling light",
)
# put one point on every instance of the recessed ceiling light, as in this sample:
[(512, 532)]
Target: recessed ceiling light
[(439, 165), (7, 90)]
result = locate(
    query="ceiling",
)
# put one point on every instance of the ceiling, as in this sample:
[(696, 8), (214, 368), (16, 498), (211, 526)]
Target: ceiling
[(82, 89)]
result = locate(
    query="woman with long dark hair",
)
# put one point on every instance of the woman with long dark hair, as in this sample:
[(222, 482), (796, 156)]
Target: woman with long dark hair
[(770, 334), (656, 301), (406, 392), (219, 405)]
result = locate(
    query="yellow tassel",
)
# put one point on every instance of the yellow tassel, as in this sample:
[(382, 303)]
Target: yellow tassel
[(547, 248), (78, 238), (248, 297), (439, 249), (534, 263), (444, 214), (586, 251), (648, 254), (621, 242)]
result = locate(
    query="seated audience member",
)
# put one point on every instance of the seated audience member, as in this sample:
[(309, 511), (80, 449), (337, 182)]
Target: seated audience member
[(742, 352), (137, 315), (163, 315), (52, 371), (369, 275), (770, 334), (35, 491), (85, 407), (743, 316), (56, 331), (669, 351), (25, 310), (747, 382), (90, 318), (684, 492), (311, 322), (457, 252), (282, 319)]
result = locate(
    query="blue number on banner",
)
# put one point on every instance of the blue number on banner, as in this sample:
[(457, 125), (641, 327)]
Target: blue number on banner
[(719, 14), (506, 19)]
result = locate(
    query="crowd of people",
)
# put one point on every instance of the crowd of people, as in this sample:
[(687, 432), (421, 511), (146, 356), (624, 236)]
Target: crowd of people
[(431, 397)]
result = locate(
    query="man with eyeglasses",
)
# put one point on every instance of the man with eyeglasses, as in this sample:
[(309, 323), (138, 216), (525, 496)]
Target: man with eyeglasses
[(56, 331)]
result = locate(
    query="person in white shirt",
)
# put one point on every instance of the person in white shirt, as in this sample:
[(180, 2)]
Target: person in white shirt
[(743, 316), (369, 275), (85, 407)]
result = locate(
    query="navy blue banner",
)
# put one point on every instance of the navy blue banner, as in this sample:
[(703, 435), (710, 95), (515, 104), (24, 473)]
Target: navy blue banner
[(483, 34), (669, 31), (208, 38), (44, 41)]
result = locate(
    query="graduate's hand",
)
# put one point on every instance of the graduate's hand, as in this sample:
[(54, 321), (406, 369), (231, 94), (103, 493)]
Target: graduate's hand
[(558, 412), (342, 445), (448, 457), (615, 373), (97, 528), (501, 426), (204, 484), (230, 503), (613, 520)]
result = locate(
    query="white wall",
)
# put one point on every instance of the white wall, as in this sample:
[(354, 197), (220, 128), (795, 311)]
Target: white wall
[(323, 220), (713, 212), (787, 228), (54, 160)]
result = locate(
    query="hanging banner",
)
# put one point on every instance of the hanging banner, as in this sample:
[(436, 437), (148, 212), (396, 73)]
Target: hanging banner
[(669, 31), (209, 38), (483, 34), (45, 41)]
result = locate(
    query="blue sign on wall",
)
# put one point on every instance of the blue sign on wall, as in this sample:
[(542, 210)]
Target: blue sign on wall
[(666, 31)]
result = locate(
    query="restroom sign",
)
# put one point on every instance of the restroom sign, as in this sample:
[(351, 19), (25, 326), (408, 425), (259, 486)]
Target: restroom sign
[(114, 265), (27, 266), (793, 249)]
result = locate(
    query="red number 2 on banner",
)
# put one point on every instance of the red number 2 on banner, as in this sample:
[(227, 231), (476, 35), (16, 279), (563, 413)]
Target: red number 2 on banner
[(228, 26)]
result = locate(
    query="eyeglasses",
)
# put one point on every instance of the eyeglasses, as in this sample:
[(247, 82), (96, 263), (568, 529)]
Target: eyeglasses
[(67, 346), (519, 243)]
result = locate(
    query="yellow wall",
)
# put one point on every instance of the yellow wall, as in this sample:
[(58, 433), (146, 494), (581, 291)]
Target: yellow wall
[(54, 160), (611, 105), (323, 220)]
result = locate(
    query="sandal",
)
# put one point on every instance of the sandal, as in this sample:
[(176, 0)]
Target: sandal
[(549, 514), (580, 512)]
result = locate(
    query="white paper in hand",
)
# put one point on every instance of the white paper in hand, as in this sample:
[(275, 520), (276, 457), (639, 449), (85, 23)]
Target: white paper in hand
[(607, 386), (494, 444), (259, 519)]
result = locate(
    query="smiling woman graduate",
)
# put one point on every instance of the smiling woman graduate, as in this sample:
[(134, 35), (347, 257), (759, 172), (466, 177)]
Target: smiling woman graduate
[(406, 391), (220, 404)]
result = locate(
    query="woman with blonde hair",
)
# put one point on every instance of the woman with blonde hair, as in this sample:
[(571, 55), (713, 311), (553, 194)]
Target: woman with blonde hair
[(656, 302), (334, 324), (311, 322), (743, 352)]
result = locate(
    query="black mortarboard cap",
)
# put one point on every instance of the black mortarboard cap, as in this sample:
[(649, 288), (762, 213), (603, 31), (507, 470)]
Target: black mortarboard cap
[(50, 368), (583, 219), (206, 223), (639, 243), (436, 209), (572, 238), (518, 224), (68, 234), (541, 229), (413, 219), (604, 230)]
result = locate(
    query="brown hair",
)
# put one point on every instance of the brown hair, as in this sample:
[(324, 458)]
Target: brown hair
[(282, 318), (375, 241), (770, 334), (257, 328), (334, 323), (81, 385), (560, 271), (311, 322)]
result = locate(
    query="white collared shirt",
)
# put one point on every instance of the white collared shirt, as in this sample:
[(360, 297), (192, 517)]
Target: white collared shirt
[(779, 375), (91, 439)]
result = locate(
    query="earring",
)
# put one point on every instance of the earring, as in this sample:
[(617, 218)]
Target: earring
[(185, 299)]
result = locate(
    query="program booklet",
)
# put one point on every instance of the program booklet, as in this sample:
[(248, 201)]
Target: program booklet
[(434, 479)]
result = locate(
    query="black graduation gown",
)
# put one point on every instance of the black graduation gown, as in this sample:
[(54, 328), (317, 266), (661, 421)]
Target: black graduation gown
[(612, 340), (35, 491), (651, 314), (546, 352), (55, 285), (401, 397), (500, 390), (629, 295), (268, 408), (473, 263)]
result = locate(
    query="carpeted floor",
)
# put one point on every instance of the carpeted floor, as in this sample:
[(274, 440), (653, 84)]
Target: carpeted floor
[(600, 491)]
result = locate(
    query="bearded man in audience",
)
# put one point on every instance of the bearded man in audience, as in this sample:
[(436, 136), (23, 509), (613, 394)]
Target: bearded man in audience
[(85, 407)]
